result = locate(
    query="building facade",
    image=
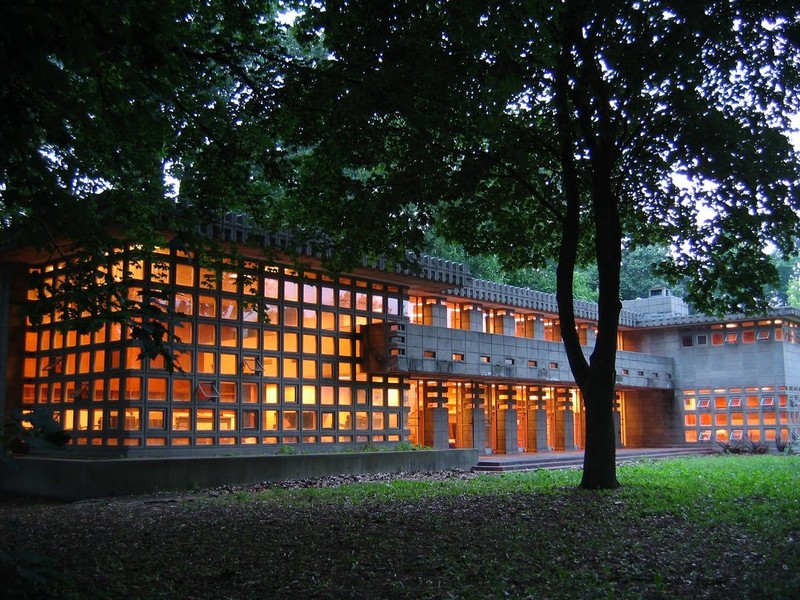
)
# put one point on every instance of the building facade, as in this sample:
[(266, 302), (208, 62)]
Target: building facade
[(273, 357)]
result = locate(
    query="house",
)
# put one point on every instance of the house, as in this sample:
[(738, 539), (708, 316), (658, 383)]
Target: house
[(380, 356)]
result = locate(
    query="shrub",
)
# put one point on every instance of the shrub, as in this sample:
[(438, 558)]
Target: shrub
[(35, 429), (743, 446)]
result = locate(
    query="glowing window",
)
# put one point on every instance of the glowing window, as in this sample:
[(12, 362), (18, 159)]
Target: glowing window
[(229, 336), (183, 331), (309, 420), (205, 419), (227, 420), (249, 419), (328, 420), (208, 279), (377, 397), (230, 309), (207, 306), (80, 392), (345, 299), (252, 365), (206, 362), (55, 366), (132, 422), (230, 282), (156, 388), (290, 291), (290, 420), (133, 388), (227, 391), (207, 390), (270, 420), (309, 394), (378, 420), (345, 420), (270, 366), (271, 287), (155, 419), (181, 390), (290, 342), (228, 364), (250, 337), (271, 340), (345, 396), (361, 301), (290, 394), (184, 275), (291, 368), (270, 393)]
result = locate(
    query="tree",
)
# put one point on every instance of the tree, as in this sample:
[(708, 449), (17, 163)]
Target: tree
[(557, 129), (489, 267), (527, 130), (122, 121), (640, 271)]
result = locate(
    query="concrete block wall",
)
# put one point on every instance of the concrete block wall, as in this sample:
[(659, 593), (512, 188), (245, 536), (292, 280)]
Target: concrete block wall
[(652, 419), (76, 479), (731, 365), (431, 349)]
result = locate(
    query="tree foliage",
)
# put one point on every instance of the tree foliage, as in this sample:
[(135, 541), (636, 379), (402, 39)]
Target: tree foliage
[(107, 107), (120, 122), (532, 130)]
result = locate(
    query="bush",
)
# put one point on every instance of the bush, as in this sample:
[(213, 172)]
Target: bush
[(784, 446), (743, 446), (36, 429)]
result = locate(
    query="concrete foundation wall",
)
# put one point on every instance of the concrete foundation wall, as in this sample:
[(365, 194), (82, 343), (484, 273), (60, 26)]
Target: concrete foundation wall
[(77, 479), (652, 418)]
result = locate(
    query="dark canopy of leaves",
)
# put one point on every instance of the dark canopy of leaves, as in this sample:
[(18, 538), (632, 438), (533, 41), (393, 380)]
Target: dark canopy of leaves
[(446, 111), (106, 106), (122, 122), (531, 130), (524, 129)]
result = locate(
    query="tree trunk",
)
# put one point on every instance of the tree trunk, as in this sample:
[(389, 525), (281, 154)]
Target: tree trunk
[(582, 103), (600, 455)]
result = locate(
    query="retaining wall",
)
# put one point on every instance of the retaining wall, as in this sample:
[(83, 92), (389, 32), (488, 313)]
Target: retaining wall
[(78, 479)]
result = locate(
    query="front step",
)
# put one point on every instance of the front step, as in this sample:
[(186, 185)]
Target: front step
[(531, 462)]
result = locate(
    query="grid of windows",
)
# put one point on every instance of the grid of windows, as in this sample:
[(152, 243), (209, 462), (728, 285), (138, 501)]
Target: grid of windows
[(761, 414), (747, 332), (267, 355)]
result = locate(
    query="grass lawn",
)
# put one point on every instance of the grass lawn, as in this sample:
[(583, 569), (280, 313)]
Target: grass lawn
[(710, 527)]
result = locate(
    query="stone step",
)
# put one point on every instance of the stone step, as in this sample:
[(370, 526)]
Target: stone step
[(562, 460)]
